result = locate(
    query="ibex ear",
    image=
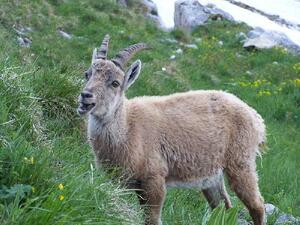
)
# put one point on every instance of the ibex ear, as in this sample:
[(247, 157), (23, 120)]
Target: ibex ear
[(132, 74)]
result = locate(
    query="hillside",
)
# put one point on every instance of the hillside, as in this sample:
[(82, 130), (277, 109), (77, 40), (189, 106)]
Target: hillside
[(47, 173)]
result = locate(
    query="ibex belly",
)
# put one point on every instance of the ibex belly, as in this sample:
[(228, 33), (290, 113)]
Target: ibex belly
[(199, 183)]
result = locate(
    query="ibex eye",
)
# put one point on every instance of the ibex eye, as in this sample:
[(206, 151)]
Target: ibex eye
[(88, 74), (115, 83)]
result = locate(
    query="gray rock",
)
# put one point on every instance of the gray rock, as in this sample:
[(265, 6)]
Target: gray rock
[(269, 208), (255, 33), (190, 13), (171, 40), (64, 34), (249, 72), (151, 7), (172, 57), (179, 51), (287, 220), (220, 14), (260, 39), (24, 42), (21, 30), (193, 46), (238, 55), (198, 40), (152, 13)]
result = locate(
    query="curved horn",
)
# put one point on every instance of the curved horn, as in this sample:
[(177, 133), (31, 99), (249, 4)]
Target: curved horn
[(126, 54), (101, 53)]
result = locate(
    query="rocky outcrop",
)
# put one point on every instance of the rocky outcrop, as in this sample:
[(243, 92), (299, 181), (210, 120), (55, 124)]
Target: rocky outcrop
[(150, 9), (190, 13), (23, 39), (152, 13), (260, 39)]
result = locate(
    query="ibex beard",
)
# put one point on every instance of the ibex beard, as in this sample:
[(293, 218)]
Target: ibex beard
[(182, 140)]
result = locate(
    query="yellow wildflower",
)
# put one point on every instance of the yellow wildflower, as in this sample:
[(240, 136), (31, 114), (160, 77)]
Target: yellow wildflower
[(33, 189), (264, 92), (296, 67), (60, 186), (256, 83), (297, 82), (61, 197), (244, 84), (29, 160)]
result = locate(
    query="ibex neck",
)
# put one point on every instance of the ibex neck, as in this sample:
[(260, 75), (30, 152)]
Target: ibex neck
[(112, 129)]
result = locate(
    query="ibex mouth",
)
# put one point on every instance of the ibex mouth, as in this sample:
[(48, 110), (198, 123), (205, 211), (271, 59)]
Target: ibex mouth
[(84, 108)]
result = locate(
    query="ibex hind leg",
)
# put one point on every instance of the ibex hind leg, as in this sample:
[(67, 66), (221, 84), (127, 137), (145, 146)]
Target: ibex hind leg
[(216, 194), (244, 184)]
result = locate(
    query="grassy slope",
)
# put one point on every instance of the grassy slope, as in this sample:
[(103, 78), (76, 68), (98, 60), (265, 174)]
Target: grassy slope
[(43, 142)]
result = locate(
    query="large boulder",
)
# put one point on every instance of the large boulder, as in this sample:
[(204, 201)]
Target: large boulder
[(190, 13), (261, 39)]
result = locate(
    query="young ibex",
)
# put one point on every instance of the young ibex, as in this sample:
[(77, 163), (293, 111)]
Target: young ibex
[(182, 140)]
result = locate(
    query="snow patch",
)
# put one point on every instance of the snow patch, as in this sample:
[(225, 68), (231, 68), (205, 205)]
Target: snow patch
[(286, 9)]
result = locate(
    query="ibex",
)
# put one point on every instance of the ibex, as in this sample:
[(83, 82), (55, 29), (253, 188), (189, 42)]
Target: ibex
[(182, 140)]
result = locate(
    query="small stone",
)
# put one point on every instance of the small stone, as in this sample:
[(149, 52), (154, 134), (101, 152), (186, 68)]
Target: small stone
[(163, 69), (249, 72), (24, 42), (174, 41), (220, 43), (193, 46), (286, 219), (238, 55), (275, 63), (198, 40), (173, 57), (64, 34), (179, 51), (270, 209)]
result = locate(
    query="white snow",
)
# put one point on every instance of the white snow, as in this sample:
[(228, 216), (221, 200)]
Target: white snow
[(255, 20), (165, 10), (287, 9)]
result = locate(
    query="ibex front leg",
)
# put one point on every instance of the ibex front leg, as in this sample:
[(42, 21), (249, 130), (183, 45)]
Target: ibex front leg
[(153, 194)]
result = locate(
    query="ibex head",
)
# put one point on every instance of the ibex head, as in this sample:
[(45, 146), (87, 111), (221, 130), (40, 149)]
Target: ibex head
[(107, 80)]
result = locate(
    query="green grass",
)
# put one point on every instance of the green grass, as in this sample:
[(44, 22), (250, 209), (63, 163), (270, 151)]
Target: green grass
[(42, 140)]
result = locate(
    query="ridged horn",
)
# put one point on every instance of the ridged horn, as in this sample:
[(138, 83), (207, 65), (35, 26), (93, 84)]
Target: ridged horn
[(101, 53), (126, 54)]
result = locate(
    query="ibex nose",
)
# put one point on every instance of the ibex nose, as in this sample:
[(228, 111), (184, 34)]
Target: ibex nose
[(86, 94)]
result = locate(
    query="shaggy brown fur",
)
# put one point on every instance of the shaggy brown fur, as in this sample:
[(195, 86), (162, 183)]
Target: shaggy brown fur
[(182, 140)]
